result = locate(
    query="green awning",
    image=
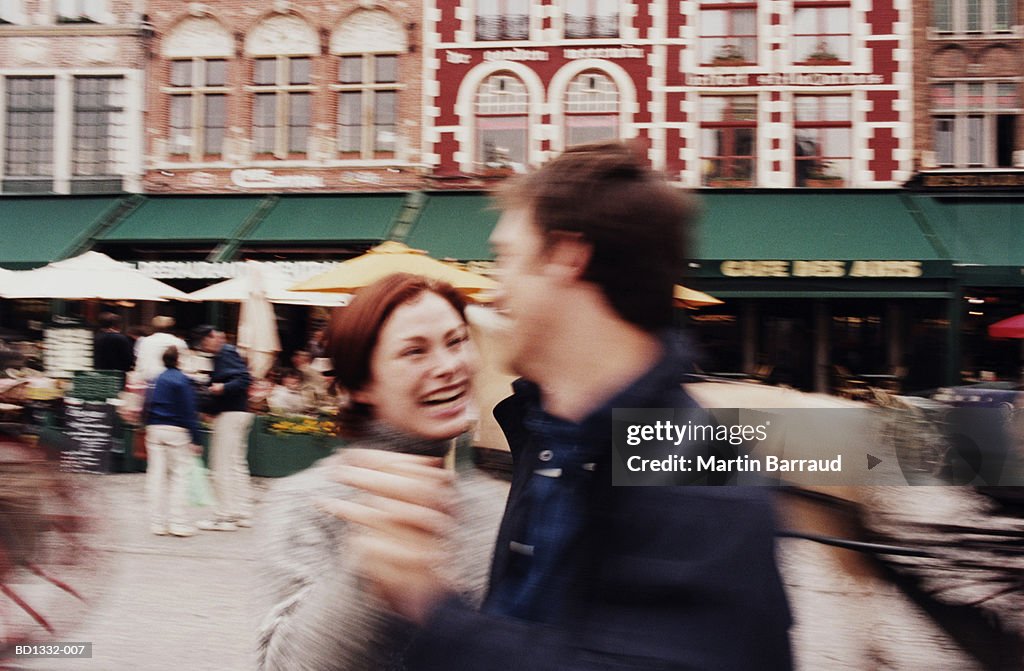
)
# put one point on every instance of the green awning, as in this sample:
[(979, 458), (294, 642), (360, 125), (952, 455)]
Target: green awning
[(329, 218), (184, 218), (455, 226), (808, 225), (984, 235), (37, 230)]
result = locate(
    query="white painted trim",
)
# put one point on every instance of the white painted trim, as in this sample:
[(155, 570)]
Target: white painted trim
[(560, 82), (64, 119), (464, 103)]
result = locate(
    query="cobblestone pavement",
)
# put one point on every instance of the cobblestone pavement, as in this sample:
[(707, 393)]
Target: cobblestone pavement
[(163, 602), (184, 604)]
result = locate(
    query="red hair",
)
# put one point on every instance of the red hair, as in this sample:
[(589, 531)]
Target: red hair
[(353, 332)]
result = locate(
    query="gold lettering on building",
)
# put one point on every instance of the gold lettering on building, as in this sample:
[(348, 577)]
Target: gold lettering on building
[(821, 268), (885, 269), (755, 268)]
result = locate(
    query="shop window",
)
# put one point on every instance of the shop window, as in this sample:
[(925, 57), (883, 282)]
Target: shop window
[(99, 138), (198, 90), (282, 102), (821, 33), (973, 16), (29, 124), (591, 109), (728, 132), (367, 104), (502, 19), (591, 18), (728, 33), (822, 141), (502, 122), (974, 123)]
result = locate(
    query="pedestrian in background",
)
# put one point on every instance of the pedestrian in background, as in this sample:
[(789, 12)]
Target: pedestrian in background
[(288, 397), (172, 440), (112, 350), (229, 444), (149, 351)]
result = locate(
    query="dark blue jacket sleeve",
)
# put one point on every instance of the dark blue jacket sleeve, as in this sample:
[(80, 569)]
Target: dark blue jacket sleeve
[(235, 372), (189, 411)]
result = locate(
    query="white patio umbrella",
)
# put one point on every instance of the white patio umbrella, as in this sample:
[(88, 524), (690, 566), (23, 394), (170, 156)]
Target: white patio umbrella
[(257, 325), (276, 282), (89, 276)]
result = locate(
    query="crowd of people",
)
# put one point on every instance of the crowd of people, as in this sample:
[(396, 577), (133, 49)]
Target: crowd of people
[(218, 389)]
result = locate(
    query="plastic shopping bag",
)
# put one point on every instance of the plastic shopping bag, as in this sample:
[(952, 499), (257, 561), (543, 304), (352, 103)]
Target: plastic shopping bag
[(199, 493)]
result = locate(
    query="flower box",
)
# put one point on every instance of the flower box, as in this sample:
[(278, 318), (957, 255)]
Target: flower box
[(729, 182), (281, 446), (825, 182)]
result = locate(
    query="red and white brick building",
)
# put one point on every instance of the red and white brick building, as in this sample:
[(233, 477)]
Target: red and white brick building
[(771, 93)]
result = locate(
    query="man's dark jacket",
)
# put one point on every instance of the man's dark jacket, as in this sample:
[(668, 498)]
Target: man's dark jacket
[(113, 351), (230, 370), (659, 577)]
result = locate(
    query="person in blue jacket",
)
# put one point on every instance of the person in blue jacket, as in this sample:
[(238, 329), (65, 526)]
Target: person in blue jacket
[(585, 575), (229, 444), (172, 439)]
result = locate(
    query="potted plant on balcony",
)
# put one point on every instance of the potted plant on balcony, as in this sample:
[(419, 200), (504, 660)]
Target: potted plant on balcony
[(728, 54), (820, 175), (731, 182), (822, 55)]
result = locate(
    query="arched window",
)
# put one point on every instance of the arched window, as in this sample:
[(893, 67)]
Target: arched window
[(502, 104), (591, 109)]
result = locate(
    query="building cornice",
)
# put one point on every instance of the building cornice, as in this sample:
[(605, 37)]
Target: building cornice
[(76, 30)]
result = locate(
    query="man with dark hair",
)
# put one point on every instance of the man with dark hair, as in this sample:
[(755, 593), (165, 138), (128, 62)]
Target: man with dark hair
[(112, 350), (585, 575), (229, 444)]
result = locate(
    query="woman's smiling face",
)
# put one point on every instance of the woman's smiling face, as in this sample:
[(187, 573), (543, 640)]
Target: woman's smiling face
[(421, 370)]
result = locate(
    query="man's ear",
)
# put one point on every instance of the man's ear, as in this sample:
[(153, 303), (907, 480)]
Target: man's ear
[(568, 255)]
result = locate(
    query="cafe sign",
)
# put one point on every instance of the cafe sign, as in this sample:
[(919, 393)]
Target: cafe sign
[(822, 268)]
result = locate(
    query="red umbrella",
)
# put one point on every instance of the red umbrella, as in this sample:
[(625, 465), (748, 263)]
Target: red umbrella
[(1011, 327)]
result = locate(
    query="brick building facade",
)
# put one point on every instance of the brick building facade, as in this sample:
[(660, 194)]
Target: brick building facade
[(771, 94), (283, 97), (71, 84), (968, 99)]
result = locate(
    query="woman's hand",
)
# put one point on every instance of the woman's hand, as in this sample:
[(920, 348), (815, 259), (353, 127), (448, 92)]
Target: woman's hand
[(405, 519)]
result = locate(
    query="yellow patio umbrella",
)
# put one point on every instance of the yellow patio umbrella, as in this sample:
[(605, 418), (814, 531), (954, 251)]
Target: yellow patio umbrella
[(389, 258), (691, 298)]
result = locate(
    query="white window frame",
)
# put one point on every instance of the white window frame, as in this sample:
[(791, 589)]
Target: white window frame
[(283, 90), (197, 92), (81, 11), (495, 106), (369, 88), (961, 113), (597, 101), (959, 22)]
